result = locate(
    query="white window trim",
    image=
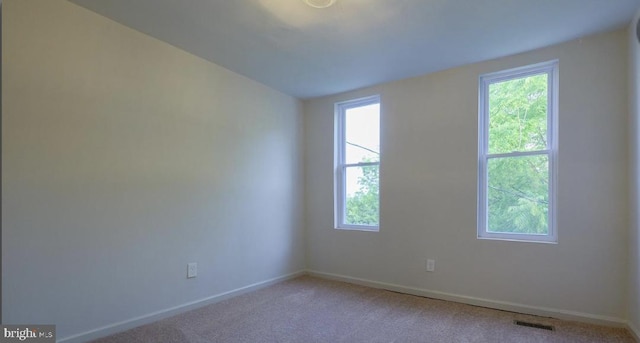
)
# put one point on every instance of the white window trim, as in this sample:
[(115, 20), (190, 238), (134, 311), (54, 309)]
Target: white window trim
[(551, 69), (340, 166)]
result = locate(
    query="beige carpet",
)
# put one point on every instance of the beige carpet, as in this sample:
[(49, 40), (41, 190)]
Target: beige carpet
[(309, 309)]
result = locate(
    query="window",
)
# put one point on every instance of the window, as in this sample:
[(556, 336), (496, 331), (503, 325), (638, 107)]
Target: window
[(357, 167), (517, 153)]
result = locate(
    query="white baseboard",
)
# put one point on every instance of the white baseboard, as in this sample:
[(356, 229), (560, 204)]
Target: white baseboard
[(155, 316), (635, 331), (500, 305)]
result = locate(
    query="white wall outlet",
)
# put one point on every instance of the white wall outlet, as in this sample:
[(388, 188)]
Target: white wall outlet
[(431, 265), (192, 270)]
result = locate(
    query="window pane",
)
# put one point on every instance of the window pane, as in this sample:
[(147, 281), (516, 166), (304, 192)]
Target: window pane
[(518, 115), (518, 194), (362, 205), (362, 134)]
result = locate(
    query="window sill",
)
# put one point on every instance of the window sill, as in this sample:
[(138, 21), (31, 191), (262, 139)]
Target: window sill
[(520, 240), (358, 228)]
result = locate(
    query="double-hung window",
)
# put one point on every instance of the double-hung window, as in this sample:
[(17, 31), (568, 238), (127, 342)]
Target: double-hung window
[(517, 153), (357, 164)]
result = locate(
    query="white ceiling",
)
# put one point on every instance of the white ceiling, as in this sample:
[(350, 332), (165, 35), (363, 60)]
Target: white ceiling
[(307, 52)]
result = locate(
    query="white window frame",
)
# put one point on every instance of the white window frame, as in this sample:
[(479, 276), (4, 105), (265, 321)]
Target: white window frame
[(341, 166), (551, 69)]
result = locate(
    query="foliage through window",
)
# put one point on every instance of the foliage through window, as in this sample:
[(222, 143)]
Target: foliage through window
[(358, 164), (517, 153)]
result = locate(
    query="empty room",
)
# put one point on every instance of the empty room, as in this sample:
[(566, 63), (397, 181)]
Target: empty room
[(320, 171)]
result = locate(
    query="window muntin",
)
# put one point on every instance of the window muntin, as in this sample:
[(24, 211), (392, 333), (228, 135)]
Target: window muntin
[(358, 164), (517, 154)]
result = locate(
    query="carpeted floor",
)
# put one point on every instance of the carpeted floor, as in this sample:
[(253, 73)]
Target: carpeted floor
[(309, 309)]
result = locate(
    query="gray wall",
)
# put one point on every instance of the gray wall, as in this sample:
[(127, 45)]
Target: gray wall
[(124, 159), (634, 144), (429, 182)]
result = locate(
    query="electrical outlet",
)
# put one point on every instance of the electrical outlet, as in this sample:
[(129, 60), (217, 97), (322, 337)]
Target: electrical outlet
[(192, 270), (431, 265)]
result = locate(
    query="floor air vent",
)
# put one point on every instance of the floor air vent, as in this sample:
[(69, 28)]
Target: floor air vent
[(534, 325)]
